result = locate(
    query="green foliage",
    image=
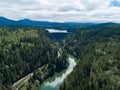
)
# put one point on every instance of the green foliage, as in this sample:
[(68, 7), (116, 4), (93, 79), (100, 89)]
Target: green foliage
[(98, 52), (22, 51)]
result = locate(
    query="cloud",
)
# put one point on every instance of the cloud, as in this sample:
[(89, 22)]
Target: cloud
[(62, 10), (69, 8)]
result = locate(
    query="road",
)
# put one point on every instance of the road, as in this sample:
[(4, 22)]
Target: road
[(20, 82)]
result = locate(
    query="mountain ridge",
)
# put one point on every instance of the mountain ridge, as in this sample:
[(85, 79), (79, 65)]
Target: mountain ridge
[(5, 22)]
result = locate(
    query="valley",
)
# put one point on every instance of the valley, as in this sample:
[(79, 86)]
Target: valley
[(36, 58), (59, 44)]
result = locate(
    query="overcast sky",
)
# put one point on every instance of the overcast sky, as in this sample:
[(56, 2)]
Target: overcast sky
[(62, 10)]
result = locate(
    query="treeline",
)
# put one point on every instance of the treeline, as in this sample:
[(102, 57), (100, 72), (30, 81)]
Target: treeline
[(23, 50), (98, 52)]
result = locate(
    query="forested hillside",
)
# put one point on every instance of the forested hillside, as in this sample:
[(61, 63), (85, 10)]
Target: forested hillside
[(98, 52), (24, 50)]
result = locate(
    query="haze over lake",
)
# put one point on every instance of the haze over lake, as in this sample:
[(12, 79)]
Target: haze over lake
[(56, 31)]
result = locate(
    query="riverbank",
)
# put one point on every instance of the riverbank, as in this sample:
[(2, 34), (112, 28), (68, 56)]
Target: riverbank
[(55, 77), (17, 85), (20, 82)]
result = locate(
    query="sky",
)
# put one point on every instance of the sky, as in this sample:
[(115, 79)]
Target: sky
[(62, 10)]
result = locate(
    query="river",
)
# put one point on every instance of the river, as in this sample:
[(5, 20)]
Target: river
[(55, 82)]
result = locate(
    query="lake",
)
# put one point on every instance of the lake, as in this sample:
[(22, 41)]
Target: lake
[(56, 31)]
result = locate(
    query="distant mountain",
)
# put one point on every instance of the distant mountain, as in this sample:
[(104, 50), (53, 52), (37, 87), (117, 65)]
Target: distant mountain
[(5, 22), (70, 26), (79, 23), (104, 25), (28, 22)]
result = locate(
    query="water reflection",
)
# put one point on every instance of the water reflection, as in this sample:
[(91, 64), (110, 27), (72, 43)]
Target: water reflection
[(55, 84)]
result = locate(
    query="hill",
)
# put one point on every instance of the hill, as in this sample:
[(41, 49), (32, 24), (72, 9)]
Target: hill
[(23, 51), (98, 55)]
